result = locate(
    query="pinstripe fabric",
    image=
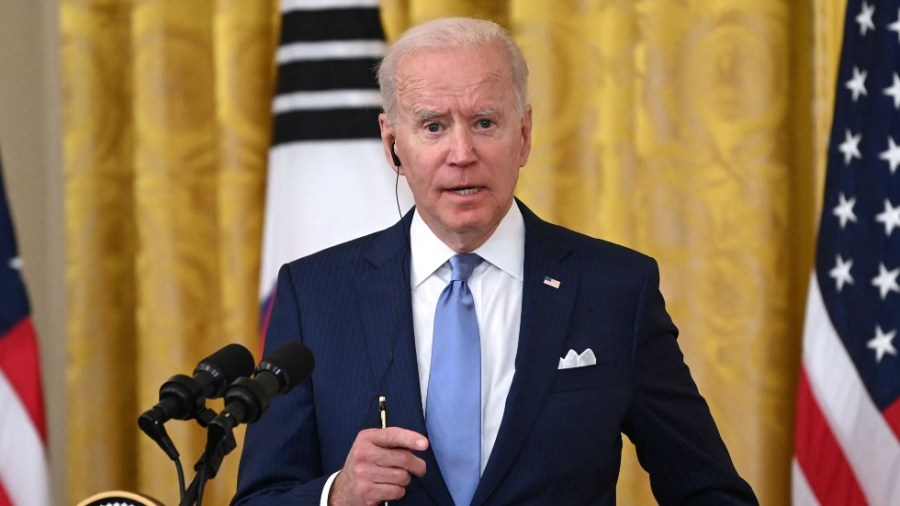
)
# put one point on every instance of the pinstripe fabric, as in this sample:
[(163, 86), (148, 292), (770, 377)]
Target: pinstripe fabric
[(560, 439)]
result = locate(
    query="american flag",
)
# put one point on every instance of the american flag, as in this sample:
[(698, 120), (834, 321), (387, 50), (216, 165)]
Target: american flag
[(848, 412), (23, 433), (328, 181)]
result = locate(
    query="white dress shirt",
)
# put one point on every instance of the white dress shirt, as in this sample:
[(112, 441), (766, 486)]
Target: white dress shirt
[(496, 286)]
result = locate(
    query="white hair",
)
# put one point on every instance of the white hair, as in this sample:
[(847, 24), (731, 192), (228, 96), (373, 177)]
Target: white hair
[(446, 33)]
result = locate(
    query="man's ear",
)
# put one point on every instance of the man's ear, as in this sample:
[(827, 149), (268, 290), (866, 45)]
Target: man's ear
[(388, 142), (526, 137)]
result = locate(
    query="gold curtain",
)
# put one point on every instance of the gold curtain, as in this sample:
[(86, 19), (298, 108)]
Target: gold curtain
[(167, 126), (692, 130)]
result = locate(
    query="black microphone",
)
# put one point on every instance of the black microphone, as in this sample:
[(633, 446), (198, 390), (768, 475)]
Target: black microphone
[(245, 401), (248, 398), (182, 397)]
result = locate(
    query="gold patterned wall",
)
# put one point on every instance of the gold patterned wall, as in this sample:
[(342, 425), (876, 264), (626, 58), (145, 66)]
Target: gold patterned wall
[(693, 130)]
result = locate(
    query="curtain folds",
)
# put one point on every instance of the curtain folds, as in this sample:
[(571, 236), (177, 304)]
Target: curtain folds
[(167, 125), (694, 131)]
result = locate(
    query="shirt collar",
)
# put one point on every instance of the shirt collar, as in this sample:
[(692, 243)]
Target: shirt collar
[(504, 249)]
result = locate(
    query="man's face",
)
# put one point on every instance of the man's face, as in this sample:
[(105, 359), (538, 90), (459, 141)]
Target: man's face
[(460, 140)]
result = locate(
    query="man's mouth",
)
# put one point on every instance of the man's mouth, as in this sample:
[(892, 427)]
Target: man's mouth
[(466, 191)]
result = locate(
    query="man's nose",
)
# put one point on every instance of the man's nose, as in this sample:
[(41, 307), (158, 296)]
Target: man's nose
[(462, 149)]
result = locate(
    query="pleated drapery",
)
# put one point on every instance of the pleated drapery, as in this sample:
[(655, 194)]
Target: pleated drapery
[(167, 125)]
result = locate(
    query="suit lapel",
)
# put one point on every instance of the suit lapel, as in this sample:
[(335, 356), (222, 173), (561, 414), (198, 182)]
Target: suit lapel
[(545, 318), (391, 343)]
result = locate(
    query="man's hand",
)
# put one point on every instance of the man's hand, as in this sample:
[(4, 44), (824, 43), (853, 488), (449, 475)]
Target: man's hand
[(379, 467)]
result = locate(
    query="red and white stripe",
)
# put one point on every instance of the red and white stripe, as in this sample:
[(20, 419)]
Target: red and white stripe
[(23, 449), (846, 451)]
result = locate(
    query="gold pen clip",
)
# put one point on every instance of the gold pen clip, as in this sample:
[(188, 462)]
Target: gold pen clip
[(382, 410)]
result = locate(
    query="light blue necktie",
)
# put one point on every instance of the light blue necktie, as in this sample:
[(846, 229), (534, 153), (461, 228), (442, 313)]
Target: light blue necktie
[(453, 408)]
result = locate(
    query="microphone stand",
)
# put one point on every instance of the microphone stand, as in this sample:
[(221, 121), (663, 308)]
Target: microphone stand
[(220, 442)]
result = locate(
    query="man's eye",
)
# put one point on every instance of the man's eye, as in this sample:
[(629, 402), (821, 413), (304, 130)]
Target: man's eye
[(433, 127), (485, 123)]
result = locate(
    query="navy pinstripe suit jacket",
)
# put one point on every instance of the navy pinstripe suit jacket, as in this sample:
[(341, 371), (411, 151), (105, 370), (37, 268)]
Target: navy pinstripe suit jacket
[(561, 436)]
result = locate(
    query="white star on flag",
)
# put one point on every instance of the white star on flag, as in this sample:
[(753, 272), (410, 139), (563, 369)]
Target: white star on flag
[(864, 18), (891, 155), (882, 343), (895, 26), (844, 210), (894, 91), (850, 146), (890, 217), (841, 272), (886, 281), (857, 84)]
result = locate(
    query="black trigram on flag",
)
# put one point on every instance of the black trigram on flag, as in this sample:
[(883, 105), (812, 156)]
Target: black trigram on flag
[(328, 181), (326, 80)]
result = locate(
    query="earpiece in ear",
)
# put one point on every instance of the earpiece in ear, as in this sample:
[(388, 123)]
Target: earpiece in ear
[(394, 156)]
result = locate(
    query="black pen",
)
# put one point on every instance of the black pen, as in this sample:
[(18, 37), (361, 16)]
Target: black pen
[(382, 411)]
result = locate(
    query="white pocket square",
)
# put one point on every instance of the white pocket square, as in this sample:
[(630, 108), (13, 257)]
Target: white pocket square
[(583, 359)]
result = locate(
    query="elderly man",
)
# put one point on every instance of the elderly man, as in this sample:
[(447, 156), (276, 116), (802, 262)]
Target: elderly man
[(512, 354)]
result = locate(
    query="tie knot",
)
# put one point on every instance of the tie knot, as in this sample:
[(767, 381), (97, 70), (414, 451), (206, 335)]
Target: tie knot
[(463, 265)]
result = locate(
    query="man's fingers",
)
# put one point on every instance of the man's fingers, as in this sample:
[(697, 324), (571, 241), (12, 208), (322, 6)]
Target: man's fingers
[(395, 437), (384, 475), (387, 492), (358, 491), (392, 492), (379, 466), (400, 459), (380, 448)]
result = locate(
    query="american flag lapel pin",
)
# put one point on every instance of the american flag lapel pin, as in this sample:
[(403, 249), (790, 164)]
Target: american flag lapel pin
[(551, 282)]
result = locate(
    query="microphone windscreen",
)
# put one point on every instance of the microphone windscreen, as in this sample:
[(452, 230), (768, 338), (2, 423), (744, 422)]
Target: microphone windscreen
[(291, 362), (226, 365)]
